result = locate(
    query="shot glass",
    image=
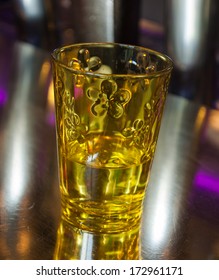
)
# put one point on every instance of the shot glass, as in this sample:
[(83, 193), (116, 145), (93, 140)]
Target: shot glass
[(109, 100)]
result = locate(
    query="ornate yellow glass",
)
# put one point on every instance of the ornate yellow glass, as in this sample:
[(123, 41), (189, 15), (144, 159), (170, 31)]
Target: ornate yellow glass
[(109, 100)]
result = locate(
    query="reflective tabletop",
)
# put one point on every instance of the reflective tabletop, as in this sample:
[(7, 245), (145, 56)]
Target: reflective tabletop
[(181, 210)]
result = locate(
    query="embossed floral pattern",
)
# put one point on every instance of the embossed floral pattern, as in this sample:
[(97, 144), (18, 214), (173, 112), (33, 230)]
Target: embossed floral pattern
[(143, 132), (108, 99), (72, 123)]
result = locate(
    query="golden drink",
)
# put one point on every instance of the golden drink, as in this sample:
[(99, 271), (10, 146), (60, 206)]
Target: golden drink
[(103, 184), (109, 100)]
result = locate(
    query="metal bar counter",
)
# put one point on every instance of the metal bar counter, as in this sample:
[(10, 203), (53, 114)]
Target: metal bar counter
[(181, 213)]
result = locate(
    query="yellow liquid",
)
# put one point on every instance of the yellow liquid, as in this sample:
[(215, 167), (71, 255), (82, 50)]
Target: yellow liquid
[(102, 184)]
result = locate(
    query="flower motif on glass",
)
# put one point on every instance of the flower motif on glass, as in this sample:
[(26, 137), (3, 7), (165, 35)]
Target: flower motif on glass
[(74, 129), (108, 99)]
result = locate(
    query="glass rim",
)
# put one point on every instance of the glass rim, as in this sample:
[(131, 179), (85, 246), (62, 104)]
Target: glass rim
[(162, 56)]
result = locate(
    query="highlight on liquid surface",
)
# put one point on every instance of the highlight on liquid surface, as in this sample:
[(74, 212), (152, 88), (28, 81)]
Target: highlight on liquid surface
[(102, 183)]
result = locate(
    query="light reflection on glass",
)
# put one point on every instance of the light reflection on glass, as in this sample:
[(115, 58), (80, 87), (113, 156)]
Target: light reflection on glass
[(87, 246)]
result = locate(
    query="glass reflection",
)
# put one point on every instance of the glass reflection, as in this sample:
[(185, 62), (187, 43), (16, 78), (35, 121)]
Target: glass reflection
[(74, 244), (171, 178)]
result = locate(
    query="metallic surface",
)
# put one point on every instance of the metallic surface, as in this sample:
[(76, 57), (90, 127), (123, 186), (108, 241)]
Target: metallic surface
[(188, 24), (191, 32), (181, 218), (93, 20), (97, 21), (36, 22), (51, 23)]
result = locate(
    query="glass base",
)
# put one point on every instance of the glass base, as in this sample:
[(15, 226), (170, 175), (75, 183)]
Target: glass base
[(75, 244)]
